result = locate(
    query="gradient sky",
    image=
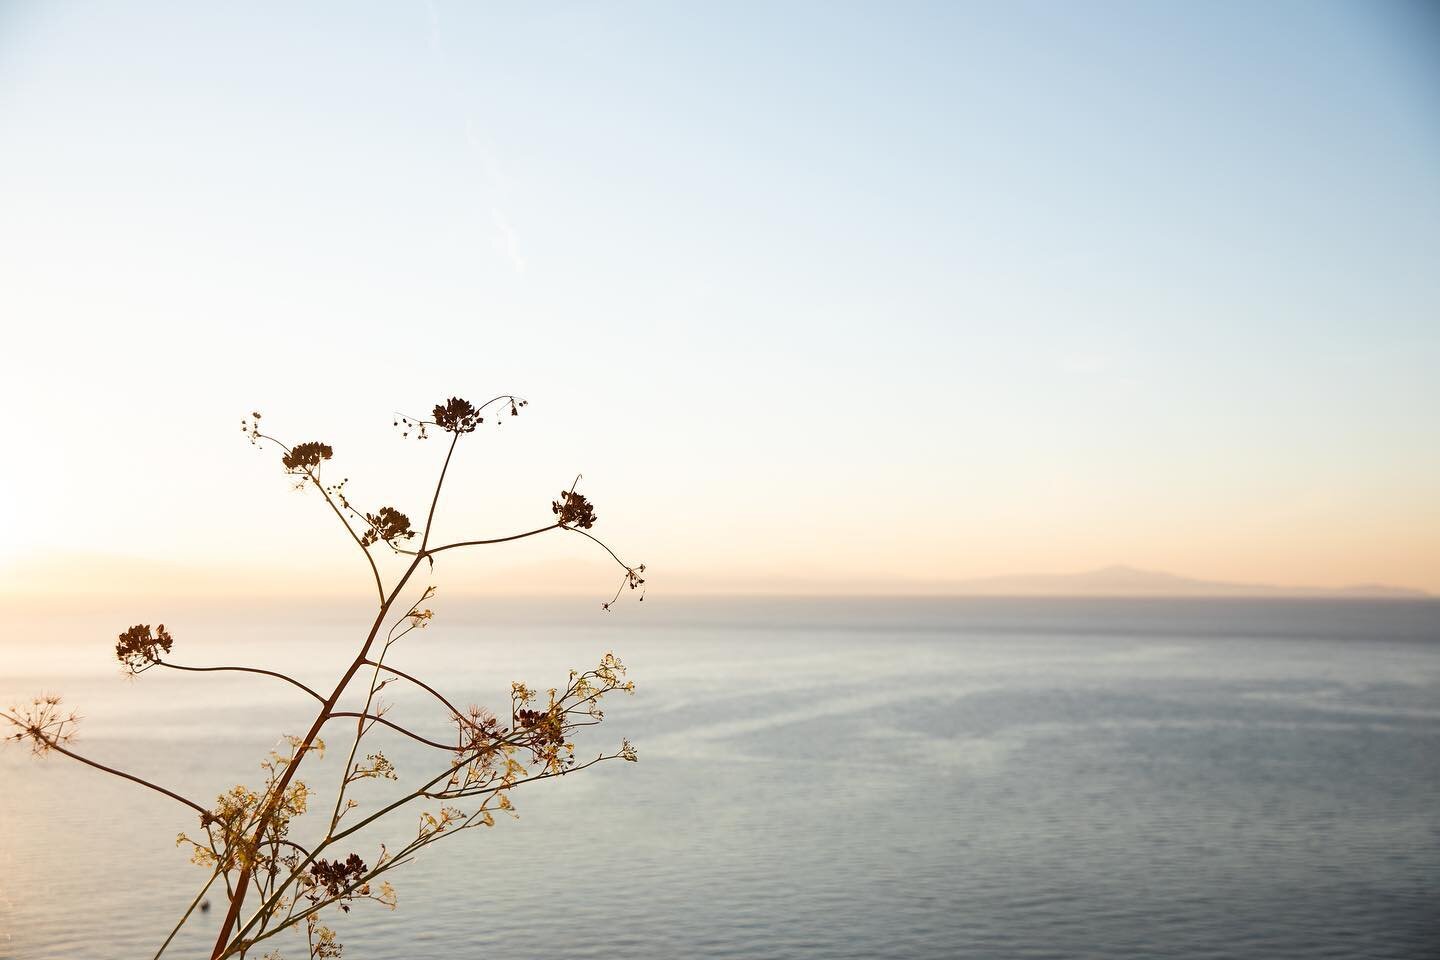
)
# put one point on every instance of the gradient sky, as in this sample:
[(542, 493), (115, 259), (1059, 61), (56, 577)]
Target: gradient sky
[(817, 296)]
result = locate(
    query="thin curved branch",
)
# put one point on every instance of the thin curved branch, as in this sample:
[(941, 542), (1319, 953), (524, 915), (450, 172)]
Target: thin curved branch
[(375, 686), (131, 777), (269, 673), (315, 479), (482, 543), (419, 683), (291, 843), (393, 726), (232, 914), (193, 904), (602, 544), (430, 518), (369, 558), (546, 775)]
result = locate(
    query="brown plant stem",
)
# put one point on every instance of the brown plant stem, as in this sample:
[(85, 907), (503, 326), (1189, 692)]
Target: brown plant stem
[(393, 726), (430, 518), (382, 812), (193, 904), (481, 543), (390, 638), (128, 776), (314, 478), (408, 850), (419, 683), (278, 791), (268, 673)]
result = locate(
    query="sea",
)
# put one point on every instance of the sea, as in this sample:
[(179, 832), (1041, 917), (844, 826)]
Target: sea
[(817, 778)]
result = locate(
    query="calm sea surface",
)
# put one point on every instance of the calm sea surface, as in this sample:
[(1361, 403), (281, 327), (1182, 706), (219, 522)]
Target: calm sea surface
[(852, 779)]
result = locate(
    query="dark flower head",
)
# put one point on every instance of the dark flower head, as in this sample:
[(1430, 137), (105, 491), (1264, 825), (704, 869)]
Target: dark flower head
[(138, 649), (545, 724), (388, 525), (304, 456), (573, 510), (457, 416), (333, 876)]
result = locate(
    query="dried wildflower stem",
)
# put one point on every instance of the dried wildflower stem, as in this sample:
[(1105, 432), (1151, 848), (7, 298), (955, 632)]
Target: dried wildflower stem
[(219, 862), (238, 900), (602, 544), (422, 792), (328, 707), (186, 916), (376, 718), (484, 543), (268, 673), (445, 467), (369, 699), (128, 776), (516, 737), (406, 852), (294, 918), (374, 570), (246, 834), (311, 473), (421, 684)]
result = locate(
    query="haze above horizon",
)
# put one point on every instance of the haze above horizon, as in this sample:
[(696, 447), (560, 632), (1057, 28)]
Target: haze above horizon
[(112, 580)]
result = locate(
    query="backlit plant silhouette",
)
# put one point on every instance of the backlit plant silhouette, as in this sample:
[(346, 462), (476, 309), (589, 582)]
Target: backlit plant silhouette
[(271, 881)]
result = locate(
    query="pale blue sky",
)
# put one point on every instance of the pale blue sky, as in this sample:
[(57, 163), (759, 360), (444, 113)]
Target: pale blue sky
[(813, 293)]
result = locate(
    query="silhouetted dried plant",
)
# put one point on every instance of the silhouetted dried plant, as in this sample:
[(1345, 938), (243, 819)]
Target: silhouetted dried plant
[(244, 839)]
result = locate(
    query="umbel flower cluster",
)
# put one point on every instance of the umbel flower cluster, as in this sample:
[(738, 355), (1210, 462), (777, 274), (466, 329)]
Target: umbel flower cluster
[(573, 510), (283, 857), (138, 649), (456, 416), (387, 524)]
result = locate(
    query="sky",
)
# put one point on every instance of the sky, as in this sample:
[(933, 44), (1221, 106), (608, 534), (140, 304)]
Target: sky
[(818, 297)]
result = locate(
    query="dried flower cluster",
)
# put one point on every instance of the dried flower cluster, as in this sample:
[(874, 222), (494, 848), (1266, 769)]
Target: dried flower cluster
[(335, 877), (456, 415), (138, 649), (573, 510), (42, 723), (388, 524), (278, 875), (304, 457)]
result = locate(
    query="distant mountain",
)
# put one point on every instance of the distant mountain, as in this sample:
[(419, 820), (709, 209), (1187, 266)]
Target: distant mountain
[(1122, 581), (97, 579)]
